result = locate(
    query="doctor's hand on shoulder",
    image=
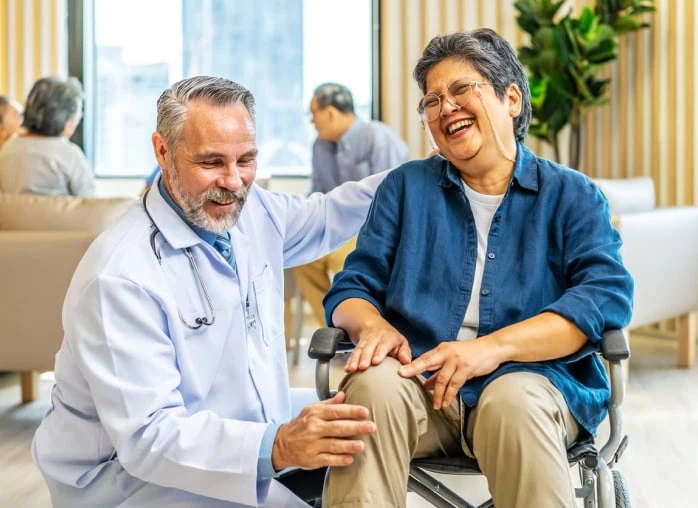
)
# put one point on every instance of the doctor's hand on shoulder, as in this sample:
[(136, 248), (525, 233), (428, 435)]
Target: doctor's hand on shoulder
[(319, 436)]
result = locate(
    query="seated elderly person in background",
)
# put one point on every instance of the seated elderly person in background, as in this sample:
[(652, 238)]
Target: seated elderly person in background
[(490, 270), (10, 119), (42, 160)]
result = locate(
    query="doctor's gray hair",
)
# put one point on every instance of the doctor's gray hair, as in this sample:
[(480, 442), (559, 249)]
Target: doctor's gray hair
[(50, 104), (172, 104), (334, 94), (489, 54)]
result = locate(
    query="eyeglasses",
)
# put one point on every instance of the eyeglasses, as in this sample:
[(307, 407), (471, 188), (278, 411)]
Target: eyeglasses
[(458, 94)]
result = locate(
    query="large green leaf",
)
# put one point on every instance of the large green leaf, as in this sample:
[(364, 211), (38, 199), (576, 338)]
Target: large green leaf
[(567, 56), (625, 24)]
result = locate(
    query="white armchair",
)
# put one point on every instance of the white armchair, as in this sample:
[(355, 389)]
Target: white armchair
[(660, 249)]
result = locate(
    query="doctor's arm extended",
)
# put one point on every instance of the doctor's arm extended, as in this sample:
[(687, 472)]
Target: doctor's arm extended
[(320, 223)]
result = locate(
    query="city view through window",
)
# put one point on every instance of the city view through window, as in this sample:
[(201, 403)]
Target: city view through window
[(278, 49)]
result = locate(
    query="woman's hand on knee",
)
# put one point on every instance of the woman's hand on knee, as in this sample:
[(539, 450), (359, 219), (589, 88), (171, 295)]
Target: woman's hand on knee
[(375, 344), (320, 435), (452, 363)]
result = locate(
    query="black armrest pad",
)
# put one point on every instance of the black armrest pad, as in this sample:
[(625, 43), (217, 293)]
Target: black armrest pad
[(326, 341), (614, 346)]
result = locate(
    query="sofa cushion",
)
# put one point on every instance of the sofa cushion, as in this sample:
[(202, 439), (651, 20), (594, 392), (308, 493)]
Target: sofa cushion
[(22, 212), (629, 195)]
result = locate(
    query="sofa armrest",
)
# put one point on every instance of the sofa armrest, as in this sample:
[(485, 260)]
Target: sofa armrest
[(660, 249), (35, 271)]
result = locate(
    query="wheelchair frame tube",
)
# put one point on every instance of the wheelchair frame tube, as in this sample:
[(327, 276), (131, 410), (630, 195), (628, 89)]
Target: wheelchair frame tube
[(322, 379), (615, 417), (605, 493), (433, 491)]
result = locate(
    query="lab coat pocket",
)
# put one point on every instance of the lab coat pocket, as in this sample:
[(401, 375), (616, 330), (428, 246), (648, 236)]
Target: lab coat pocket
[(264, 305)]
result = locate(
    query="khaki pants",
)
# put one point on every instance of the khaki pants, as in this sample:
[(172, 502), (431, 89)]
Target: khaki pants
[(314, 279), (519, 433)]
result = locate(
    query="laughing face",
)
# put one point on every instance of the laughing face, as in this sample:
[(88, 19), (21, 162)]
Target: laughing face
[(211, 170), (471, 118)]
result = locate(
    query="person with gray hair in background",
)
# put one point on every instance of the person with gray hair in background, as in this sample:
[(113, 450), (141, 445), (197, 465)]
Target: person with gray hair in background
[(347, 149), (477, 296), (42, 160), (171, 381), (10, 119)]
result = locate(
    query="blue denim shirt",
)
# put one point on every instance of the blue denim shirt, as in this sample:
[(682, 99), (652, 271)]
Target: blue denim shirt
[(551, 247)]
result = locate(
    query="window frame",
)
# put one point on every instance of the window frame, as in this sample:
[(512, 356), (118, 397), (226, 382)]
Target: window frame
[(81, 63)]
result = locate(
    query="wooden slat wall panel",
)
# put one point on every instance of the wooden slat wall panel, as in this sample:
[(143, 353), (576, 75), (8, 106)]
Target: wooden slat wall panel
[(32, 43), (647, 129)]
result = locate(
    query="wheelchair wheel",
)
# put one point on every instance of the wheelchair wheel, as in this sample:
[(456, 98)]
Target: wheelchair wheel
[(620, 487)]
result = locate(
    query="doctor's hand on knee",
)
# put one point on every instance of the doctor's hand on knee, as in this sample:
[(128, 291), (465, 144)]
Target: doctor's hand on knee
[(321, 435)]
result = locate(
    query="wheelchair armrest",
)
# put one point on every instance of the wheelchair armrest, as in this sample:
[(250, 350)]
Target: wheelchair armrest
[(614, 346), (326, 344)]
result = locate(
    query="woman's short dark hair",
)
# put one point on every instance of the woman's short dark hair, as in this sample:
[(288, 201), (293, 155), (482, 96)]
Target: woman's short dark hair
[(489, 54), (50, 104)]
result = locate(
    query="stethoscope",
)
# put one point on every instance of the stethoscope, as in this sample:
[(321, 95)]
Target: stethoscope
[(199, 321)]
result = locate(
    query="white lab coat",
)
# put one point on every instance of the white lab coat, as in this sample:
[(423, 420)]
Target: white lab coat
[(146, 411)]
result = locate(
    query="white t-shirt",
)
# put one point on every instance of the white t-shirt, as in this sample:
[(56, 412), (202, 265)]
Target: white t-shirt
[(484, 206)]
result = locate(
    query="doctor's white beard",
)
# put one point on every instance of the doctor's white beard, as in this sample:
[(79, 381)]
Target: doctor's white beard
[(193, 206)]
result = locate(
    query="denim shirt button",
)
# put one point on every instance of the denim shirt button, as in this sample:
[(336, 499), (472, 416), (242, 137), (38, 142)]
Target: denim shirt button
[(491, 255), (485, 292), (498, 218)]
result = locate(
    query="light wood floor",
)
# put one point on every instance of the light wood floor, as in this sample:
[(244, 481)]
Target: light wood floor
[(660, 412)]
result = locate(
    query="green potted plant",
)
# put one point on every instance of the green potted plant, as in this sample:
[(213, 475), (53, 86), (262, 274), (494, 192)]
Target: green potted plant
[(565, 58)]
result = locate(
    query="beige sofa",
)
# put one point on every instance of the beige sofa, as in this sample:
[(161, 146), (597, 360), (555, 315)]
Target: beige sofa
[(660, 249), (42, 239)]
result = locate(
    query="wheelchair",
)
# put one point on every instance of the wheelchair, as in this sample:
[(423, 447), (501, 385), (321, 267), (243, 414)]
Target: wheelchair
[(601, 485)]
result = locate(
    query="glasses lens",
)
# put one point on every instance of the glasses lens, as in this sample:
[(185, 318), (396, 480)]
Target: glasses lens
[(430, 107), (458, 95), (460, 92)]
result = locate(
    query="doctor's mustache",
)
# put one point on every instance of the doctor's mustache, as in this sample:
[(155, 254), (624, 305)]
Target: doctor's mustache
[(226, 196)]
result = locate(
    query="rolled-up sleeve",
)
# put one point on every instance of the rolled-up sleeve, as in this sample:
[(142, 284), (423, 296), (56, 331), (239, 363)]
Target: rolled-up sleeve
[(599, 288)]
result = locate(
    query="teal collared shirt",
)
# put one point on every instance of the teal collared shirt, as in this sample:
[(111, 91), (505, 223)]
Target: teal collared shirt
[(265, 469)]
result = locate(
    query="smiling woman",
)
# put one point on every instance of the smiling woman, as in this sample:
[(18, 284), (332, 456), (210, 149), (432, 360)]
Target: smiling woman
[(494, 273)]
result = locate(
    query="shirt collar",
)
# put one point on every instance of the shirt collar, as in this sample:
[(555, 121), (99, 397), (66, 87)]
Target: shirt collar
[(206, 236), (525, 173), (350, 135)]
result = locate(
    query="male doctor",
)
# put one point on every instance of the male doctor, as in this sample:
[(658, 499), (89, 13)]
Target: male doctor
[(171, 382)]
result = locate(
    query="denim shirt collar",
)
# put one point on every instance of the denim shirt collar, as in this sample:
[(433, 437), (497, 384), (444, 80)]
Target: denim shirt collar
[(206, 236), (525, 174)]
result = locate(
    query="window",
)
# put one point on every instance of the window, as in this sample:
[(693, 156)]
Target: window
[(278, 49)]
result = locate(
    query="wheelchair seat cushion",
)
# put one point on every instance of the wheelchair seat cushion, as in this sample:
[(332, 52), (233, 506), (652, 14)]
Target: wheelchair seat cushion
[(448, 465)]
